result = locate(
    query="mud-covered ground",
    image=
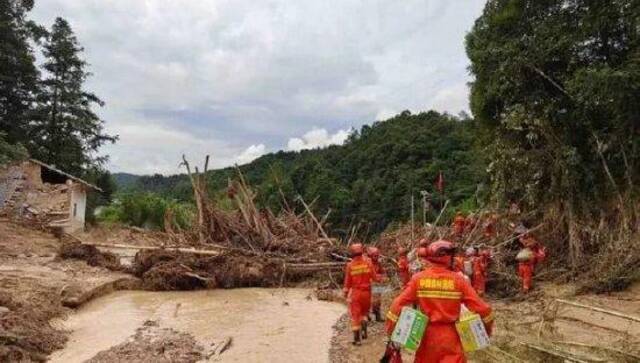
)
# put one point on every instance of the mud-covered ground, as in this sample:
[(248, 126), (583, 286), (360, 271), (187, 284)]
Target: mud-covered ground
[(35, 286), (529, 325), (151, 343)]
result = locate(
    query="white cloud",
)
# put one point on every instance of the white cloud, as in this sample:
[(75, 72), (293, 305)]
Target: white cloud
[(452, 99), (150, 149), (317, 138), (226, 74), (251, 153)]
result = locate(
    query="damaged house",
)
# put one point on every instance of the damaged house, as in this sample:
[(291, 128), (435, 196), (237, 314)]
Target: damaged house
[(35, 192)]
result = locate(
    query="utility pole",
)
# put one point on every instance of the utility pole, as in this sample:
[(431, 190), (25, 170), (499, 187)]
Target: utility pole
[(412, 237), (424, 194)]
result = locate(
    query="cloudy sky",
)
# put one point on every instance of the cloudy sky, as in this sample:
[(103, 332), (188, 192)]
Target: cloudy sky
[(240, 78)]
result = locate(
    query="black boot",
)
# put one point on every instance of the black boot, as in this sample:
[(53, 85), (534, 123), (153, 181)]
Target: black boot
[(376, 312), (356, 337), (364, 330)]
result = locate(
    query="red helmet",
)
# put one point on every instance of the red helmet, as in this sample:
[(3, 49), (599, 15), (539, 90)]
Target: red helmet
[(441, 252), (422, 252), (402, 251), (356, 249), (373, 252)]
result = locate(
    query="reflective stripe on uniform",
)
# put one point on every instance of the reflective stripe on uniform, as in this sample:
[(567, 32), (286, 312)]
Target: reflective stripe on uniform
[(391, 316), (439, 294)]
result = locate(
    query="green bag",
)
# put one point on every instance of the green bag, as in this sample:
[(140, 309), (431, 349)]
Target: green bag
[(410, 328)]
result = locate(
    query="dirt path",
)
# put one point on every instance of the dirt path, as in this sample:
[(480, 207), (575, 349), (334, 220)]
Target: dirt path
[(568, 328)]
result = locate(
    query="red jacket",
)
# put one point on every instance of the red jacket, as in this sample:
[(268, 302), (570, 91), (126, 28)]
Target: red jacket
[(439, 293), (403, 270), (459, 223), (359, 273)]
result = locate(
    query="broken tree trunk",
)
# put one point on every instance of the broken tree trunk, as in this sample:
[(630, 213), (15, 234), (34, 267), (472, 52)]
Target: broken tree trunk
[(313, 217), (600, 310)]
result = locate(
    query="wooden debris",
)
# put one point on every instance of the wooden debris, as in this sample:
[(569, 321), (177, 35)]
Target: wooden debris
[(600, 310), (565, 356)]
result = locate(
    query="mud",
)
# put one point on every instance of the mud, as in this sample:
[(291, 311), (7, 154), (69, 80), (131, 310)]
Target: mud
[(90, 254), (162, 270), (34, 287), (153, 344), (265, 325), (535, 320)]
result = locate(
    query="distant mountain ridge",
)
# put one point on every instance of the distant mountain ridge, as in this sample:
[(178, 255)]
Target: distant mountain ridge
[(369, 178)]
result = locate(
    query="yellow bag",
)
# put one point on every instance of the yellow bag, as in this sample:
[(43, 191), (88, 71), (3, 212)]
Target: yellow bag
[(473, 335)]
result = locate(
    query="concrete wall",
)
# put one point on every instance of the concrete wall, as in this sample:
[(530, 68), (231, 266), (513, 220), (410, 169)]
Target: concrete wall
[(77, 207)]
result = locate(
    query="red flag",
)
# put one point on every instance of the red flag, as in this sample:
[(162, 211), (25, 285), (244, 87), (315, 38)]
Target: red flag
[(439, 183)]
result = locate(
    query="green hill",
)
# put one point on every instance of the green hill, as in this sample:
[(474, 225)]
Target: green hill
[(368, 179)]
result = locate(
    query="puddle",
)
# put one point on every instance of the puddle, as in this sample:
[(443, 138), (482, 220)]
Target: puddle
[(267, 325)]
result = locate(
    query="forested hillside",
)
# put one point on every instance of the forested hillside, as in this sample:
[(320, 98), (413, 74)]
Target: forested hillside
[(367, 180)]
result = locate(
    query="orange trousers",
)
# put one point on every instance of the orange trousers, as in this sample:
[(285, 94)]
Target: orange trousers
[(525, 271), (359, 307), (479, 283), (440, 344)]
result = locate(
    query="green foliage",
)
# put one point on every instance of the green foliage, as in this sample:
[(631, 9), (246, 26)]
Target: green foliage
[(9, 152), (66, 131), (103, 180), (556, 90), (146, 210), (18, 73), (367, 180)]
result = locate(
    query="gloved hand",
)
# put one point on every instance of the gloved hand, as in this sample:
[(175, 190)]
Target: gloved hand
[(489, 328)]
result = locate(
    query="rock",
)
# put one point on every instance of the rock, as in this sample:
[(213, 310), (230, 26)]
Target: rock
[(4, 310)]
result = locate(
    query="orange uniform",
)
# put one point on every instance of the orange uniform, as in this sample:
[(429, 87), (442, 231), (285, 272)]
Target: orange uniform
[(439, 294), (458, 264), (526, 268), (376, 299), (403, 270), (479, 280), (359, 273), (489, 231), (459, 222)]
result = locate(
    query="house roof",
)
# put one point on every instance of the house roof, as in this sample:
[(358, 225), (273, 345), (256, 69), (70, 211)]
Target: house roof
[(74, 178)]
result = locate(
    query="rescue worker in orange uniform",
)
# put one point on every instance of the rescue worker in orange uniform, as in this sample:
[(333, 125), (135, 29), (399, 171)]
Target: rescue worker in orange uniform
[(439, 293), (359, 274), (403, 266), (376, 299), (478, 278), (528, 260), (480, 271), (489, 231), (459, 222)]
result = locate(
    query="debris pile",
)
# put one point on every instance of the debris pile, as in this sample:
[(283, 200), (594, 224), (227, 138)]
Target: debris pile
[(25, 332), (76, 250), (151, 343), (248, 228), (161, 269)]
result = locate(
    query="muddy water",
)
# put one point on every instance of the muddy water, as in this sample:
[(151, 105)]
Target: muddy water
[(267, 325)]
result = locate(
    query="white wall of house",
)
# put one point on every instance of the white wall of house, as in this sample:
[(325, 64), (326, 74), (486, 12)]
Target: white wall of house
[(78, 206)]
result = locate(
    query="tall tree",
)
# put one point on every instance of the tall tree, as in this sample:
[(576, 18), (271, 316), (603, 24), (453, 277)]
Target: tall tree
[(556, 86), (18, 73), (67, 132)]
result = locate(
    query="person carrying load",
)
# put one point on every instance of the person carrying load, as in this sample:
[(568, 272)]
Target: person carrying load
[(376, 298), (530, 255), (403, 266), (439, 293), (359, 273)]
